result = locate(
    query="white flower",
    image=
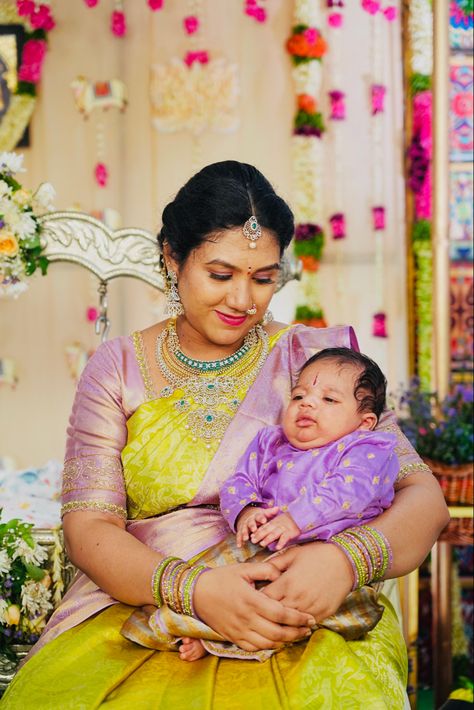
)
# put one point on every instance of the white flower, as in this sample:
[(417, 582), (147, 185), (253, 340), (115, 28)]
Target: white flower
[(5, 189), (5, 562), (35, 598), (3, 608), (11, 163), (44, 196), (26, 226), (32, 555)]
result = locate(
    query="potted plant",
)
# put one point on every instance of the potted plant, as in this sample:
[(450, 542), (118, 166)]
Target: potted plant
[(441, 430)]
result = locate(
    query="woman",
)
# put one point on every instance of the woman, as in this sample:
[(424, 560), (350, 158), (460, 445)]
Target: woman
[(157, 425)]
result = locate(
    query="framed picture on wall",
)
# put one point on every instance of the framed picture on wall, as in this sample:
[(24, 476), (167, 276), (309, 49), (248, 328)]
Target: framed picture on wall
[(12, 39)]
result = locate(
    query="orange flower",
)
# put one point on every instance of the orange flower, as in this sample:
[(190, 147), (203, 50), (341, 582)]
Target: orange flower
[(298, 45), (307, 103), (8, 244), (318, 49), (309, 263)]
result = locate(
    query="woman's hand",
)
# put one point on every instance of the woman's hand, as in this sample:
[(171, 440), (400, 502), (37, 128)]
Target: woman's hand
[(315, 578), (225, 598)]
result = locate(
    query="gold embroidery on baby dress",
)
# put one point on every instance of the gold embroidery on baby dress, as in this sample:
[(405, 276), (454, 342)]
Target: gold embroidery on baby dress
[(348, 479), (340, 447), (375, 480), (346, 462), (370, 456)]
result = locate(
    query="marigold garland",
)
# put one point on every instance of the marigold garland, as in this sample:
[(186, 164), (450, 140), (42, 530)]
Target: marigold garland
[(307, 46)]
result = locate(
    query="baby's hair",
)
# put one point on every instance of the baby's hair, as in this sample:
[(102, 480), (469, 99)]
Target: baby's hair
[(370, 387)]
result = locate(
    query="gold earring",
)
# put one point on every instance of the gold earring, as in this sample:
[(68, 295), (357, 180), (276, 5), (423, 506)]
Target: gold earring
[(173, 301)]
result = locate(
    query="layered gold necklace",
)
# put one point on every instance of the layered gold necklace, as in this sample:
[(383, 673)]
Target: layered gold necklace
[(212, 386)]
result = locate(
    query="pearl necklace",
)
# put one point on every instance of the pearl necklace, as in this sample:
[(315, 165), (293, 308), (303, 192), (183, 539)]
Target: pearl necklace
[(210, 398)]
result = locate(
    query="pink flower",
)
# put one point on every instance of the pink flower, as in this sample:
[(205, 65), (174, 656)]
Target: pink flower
[(41, 18), (311, 35), (118, 23), (371, 6), (92, 314), (191, 24), (378, 218), (32, 58), (390, 13), (379, 325), (155, 4), (101, 174), (378, 95), (260, 14), (201, 56), (335, 19), (338, 225), (422, 431), (91, 3), (25, 7), (338, 105)]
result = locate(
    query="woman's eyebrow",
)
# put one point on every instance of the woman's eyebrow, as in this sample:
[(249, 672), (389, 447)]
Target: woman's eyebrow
[(221, 262)]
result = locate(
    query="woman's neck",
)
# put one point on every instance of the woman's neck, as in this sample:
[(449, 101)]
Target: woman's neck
[(195, 345)]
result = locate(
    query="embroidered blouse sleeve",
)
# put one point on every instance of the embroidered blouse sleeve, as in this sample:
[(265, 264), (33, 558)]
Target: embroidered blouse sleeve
[(357, 487), (410, 462), (244, 486), (96, 435)]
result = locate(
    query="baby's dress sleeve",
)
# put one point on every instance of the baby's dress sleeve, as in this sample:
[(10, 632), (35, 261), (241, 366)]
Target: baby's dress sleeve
[(97, 433), (244, 486), (355, 489)]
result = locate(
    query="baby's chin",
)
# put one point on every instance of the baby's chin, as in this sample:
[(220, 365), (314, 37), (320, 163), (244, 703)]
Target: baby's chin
[(304, 440)]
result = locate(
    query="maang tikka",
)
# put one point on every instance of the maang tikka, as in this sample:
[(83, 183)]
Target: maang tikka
[(173, 301), (252, 231)]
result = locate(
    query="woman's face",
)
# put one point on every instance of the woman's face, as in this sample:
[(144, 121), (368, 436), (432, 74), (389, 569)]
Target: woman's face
[(220, 281)]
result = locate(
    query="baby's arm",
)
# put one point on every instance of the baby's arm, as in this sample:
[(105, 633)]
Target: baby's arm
[(356, 488)]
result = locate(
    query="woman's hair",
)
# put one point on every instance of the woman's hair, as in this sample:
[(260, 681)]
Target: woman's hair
[(370, 386), (222, 196)]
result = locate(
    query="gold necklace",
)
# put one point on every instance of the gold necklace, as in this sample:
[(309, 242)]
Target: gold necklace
[(210, 399)]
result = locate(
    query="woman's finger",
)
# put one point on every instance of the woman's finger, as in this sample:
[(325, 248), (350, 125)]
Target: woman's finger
[(274, 611)]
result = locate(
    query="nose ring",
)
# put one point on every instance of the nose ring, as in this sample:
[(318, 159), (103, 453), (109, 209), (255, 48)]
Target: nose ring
[(251, 311)]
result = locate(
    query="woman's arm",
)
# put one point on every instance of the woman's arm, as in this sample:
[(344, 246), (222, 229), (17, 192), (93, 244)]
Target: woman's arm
[(317, 577), (226, 600)]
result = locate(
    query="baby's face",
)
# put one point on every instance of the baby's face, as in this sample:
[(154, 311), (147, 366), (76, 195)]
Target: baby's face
[(323, 407)]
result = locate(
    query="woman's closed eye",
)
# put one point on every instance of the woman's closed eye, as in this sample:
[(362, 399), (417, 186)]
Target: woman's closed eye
[(219, 276)]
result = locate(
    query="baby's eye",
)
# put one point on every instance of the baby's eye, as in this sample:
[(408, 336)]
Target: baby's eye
[(297, 396), (330, 400)]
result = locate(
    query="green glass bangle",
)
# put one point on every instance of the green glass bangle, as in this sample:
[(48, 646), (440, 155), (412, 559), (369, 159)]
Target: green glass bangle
[(156, 579)]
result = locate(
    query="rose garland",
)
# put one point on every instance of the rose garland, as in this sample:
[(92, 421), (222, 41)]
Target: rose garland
[(420, 37), (307, 46), (37, 20)]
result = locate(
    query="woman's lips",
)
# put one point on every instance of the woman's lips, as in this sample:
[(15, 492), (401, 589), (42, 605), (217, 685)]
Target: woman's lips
[(231, 320)]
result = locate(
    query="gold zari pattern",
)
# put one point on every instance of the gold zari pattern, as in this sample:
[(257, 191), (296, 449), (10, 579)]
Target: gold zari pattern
[(143, 365), (76, 505), (97, 472)]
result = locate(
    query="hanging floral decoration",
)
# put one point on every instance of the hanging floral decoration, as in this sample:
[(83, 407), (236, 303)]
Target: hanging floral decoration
[(338, 225), (97, 97), (196, 93), (377, 108), (375, 7), (338, 105), (118, 18), (37, 20), (21, 246), (420, 45), (335, 17), (255, 10), (307, 47)]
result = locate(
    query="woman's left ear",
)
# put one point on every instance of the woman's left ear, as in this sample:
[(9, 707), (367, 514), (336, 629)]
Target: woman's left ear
[(369, 421)]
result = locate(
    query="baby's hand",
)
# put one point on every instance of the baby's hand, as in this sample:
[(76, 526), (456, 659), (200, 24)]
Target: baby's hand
[(250, 519), (282, 528)]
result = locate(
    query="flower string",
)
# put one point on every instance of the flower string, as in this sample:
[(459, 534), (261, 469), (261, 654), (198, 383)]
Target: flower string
[(307, 47)]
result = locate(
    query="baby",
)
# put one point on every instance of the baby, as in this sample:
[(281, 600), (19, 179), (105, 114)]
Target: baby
[(322, 471)]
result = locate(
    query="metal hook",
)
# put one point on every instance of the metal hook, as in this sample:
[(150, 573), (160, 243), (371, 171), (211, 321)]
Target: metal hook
[(102, 320)]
